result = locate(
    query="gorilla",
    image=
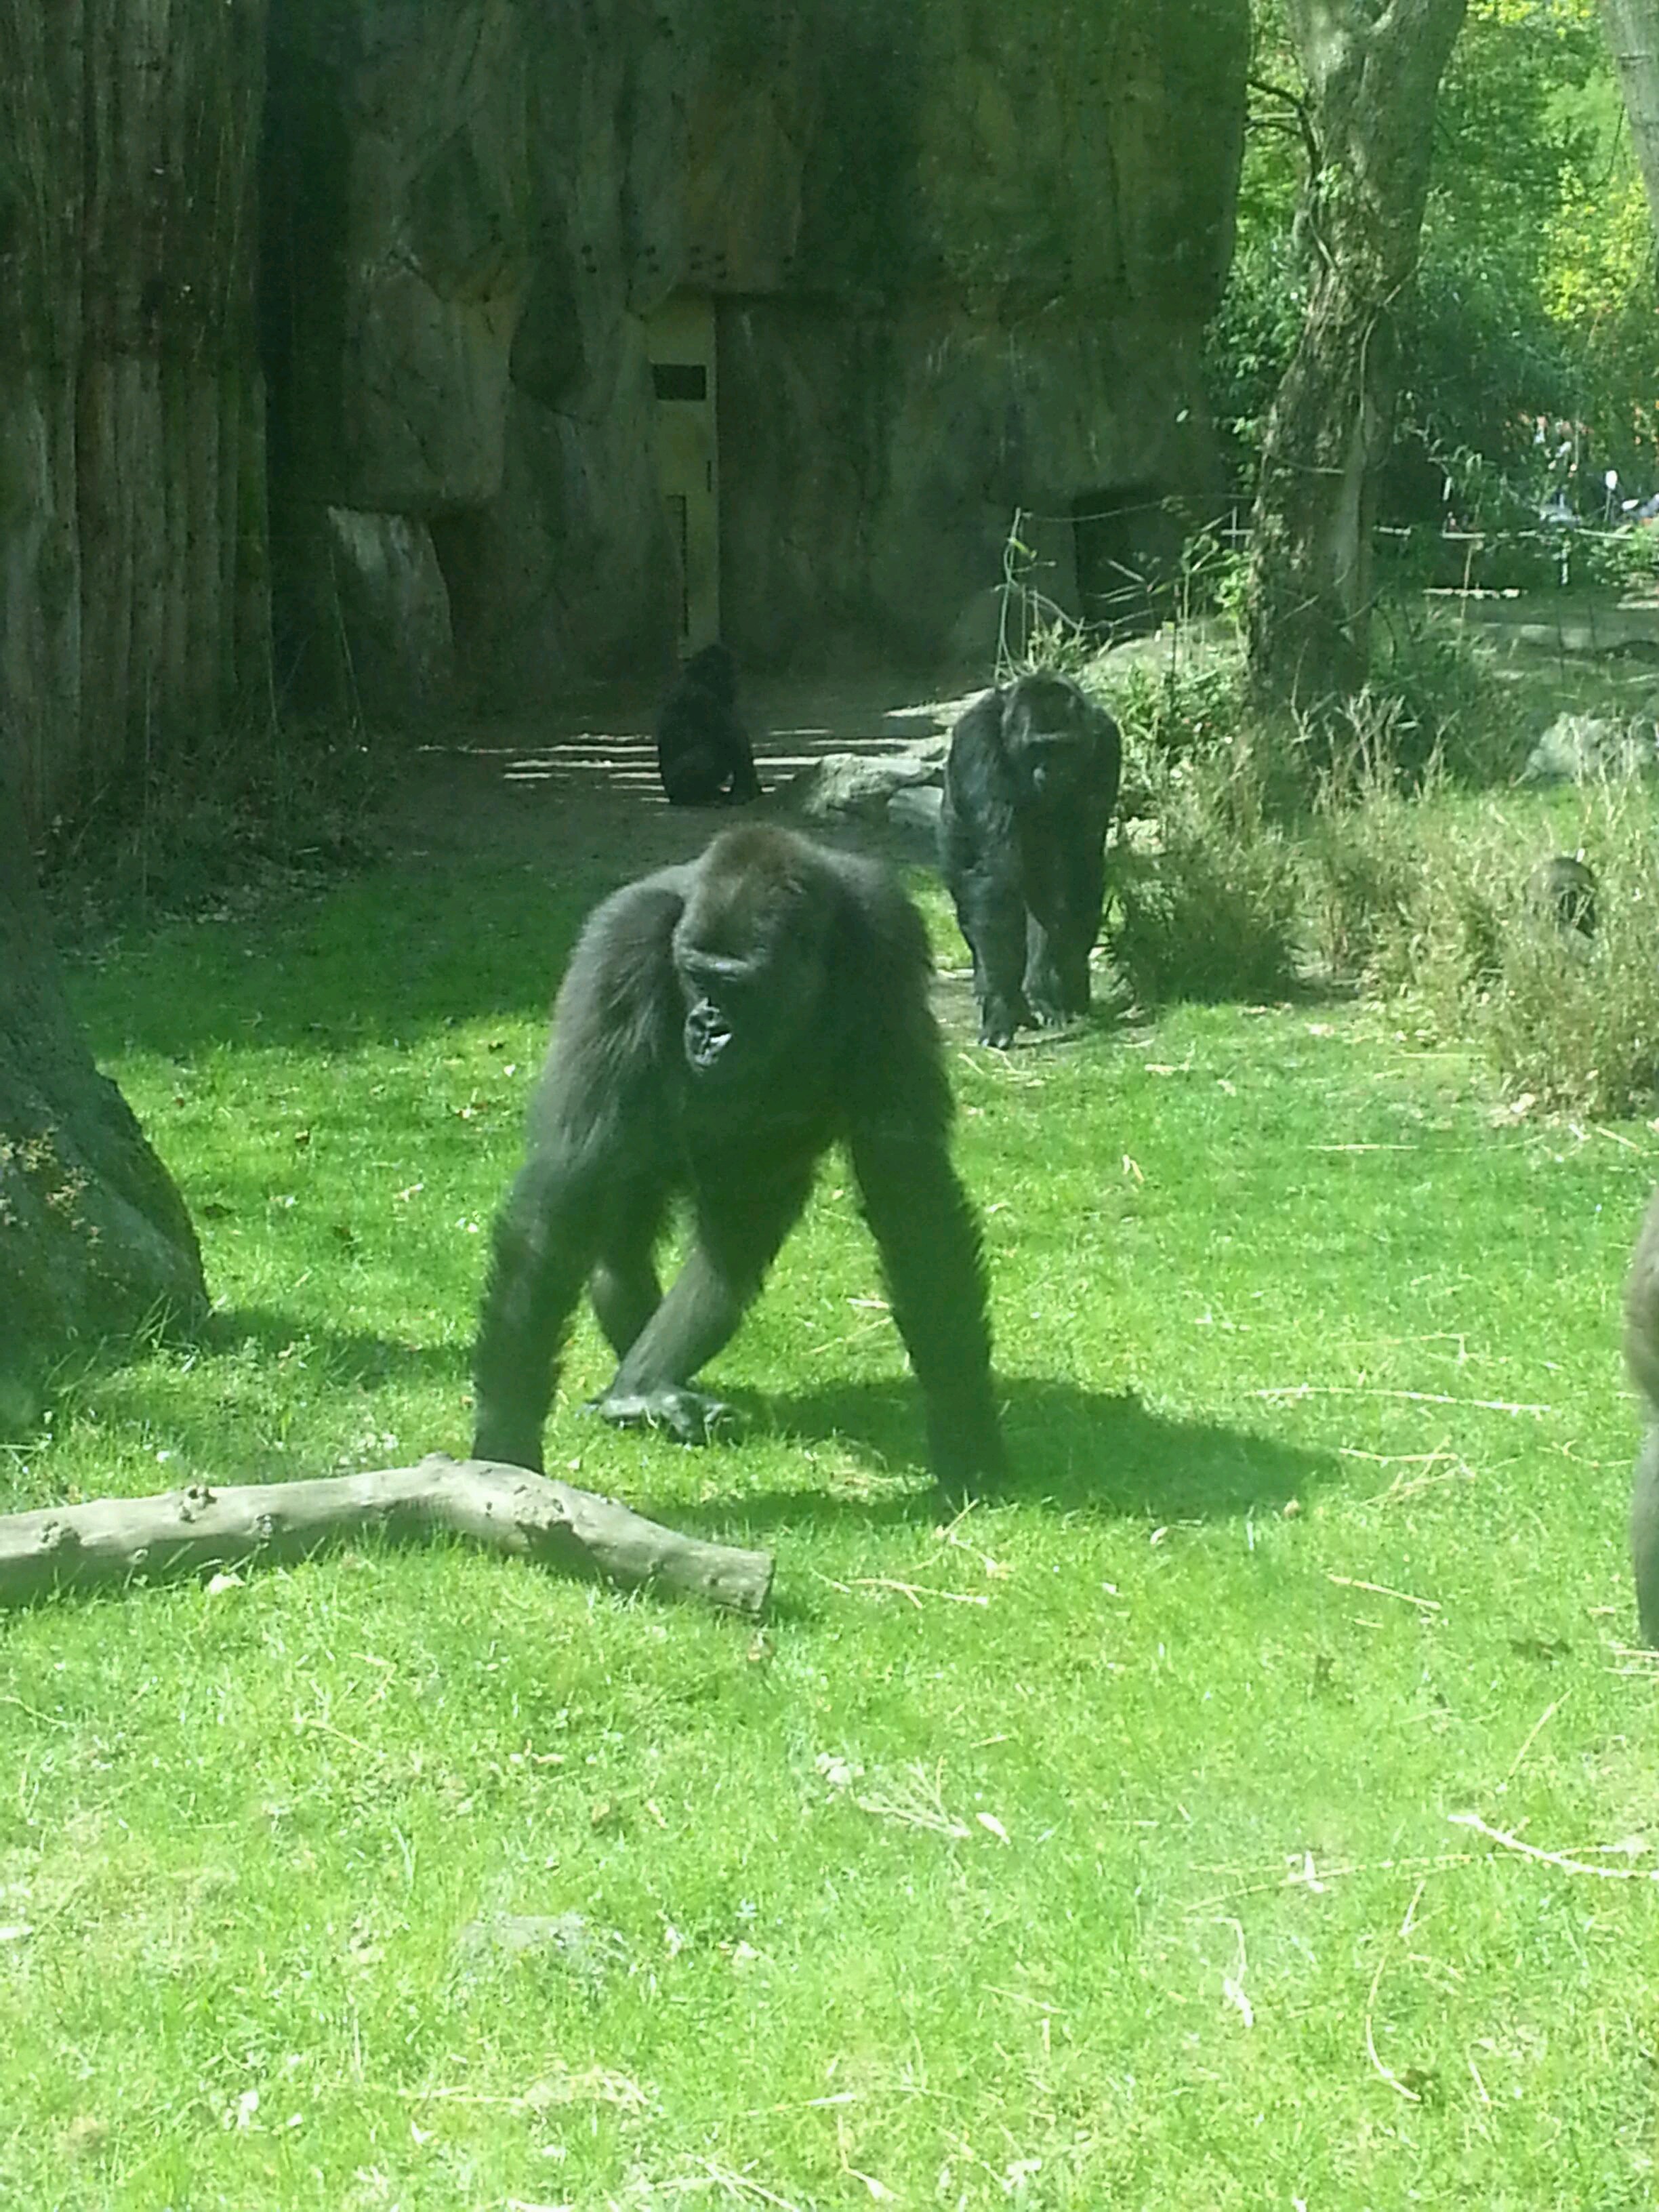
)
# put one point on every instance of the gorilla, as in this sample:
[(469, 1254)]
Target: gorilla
[(1641, 1359), (1562, 892), (1030, 786), (720, 1025), (702, 750)]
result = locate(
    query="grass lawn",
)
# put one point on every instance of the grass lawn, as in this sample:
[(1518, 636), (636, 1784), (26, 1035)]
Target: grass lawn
[(1102, 1849)]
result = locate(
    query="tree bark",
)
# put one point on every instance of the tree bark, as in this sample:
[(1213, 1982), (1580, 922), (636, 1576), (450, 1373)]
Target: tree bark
[(1632, 29), (1373, 71), (116, 1539), (93, 1235)]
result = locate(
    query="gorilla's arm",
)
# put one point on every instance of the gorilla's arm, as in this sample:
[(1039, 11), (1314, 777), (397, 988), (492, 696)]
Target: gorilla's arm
[(594, 1115), (899, 1112), (544, 1242), (735, 1245), (740, 764), (931, 1255), (979, 853)]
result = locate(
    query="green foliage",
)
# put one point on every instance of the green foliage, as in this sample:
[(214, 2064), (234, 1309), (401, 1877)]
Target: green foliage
[(1054, 1856), (1534, 295), (1208, 908), (1432, 904)]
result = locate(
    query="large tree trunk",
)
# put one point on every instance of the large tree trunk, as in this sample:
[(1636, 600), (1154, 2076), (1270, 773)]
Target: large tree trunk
[(93, 1237), (1373, 71), (1632, 29)]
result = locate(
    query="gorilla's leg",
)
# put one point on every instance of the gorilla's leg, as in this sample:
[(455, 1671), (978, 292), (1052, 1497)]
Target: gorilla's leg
[(1067, 911), (739, 1229), (624, 1287), (695, 778), (931, 1255), (1645, 1535), (1045, 987), (545, 1241)]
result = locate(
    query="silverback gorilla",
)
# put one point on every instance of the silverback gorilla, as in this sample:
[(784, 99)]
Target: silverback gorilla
[(720, 1025), (1030, 786), (702, 748), (1642, 1358)]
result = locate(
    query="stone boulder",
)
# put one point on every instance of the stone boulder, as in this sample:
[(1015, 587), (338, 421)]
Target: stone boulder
[(859, 785), (1585, 748)]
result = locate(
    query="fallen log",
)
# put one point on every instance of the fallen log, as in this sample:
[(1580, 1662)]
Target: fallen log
[(184, 1532)]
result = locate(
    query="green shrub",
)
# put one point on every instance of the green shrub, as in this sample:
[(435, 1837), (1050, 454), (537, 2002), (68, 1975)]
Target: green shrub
[(1207, 908), (1575, 1023), (1364, 876)]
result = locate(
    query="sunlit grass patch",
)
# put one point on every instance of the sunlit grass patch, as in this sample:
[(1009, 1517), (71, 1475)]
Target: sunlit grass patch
[(1096, 1848)]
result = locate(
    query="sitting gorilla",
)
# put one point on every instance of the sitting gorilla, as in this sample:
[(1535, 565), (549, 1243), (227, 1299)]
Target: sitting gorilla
[(702, 750), (1030, 786), (721, 1024)]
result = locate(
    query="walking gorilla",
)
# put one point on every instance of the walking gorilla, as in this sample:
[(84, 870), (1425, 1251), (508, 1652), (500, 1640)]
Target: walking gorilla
[(720, 1025), (1030, 786), (702, 748), (1641, 1359)]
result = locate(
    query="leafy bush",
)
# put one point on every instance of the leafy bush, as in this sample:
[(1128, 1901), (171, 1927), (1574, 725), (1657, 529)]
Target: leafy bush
[(1431, 903), (1208, 908), (1575, 1023)]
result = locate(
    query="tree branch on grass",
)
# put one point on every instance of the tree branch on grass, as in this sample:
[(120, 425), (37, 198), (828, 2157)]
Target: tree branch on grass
[(116, 1541)]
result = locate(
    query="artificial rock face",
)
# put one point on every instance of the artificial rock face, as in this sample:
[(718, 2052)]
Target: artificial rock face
[(958, 260), (954, 259)]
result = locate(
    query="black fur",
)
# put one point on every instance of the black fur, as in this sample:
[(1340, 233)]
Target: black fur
[(1562, 892), (703, 755), (1641, 1359), (721, 1024), (1030, 788)]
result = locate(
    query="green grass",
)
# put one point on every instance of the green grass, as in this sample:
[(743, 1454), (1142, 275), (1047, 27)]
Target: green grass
[(1095, 1851)]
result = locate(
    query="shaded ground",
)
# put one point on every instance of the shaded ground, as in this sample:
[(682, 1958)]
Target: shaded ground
[(577, 792), (579, 785)]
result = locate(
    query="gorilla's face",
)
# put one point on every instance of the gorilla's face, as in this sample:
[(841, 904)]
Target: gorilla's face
[(750, 955), (1049, 738)]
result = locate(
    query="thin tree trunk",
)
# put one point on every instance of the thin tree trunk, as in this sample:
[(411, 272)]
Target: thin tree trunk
[(115, 1541), (1373, 71), (1632, 29)]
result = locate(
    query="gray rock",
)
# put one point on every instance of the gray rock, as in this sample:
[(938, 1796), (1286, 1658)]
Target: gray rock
[(914, 812), (858, 784), (395, 609), (1581, 748)]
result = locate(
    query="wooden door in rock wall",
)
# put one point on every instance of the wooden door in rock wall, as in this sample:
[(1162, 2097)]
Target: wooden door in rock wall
[(680, 338)]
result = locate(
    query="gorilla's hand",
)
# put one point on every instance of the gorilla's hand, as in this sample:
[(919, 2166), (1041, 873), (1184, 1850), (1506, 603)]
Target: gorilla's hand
[(689, 1416)]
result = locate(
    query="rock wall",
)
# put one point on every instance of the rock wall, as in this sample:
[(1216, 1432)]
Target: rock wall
[(133, 575), (962, 256), (959, 254)]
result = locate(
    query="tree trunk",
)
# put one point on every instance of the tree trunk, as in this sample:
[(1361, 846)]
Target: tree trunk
[(1373, 71), (113, 1541), (1632, 29), (93, 1237)]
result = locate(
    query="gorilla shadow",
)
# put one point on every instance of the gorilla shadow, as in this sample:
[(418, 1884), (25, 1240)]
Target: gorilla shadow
[(1072, 1450)]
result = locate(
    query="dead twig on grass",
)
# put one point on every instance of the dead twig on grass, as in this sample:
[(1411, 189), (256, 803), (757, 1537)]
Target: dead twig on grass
[(1563, 1860)]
